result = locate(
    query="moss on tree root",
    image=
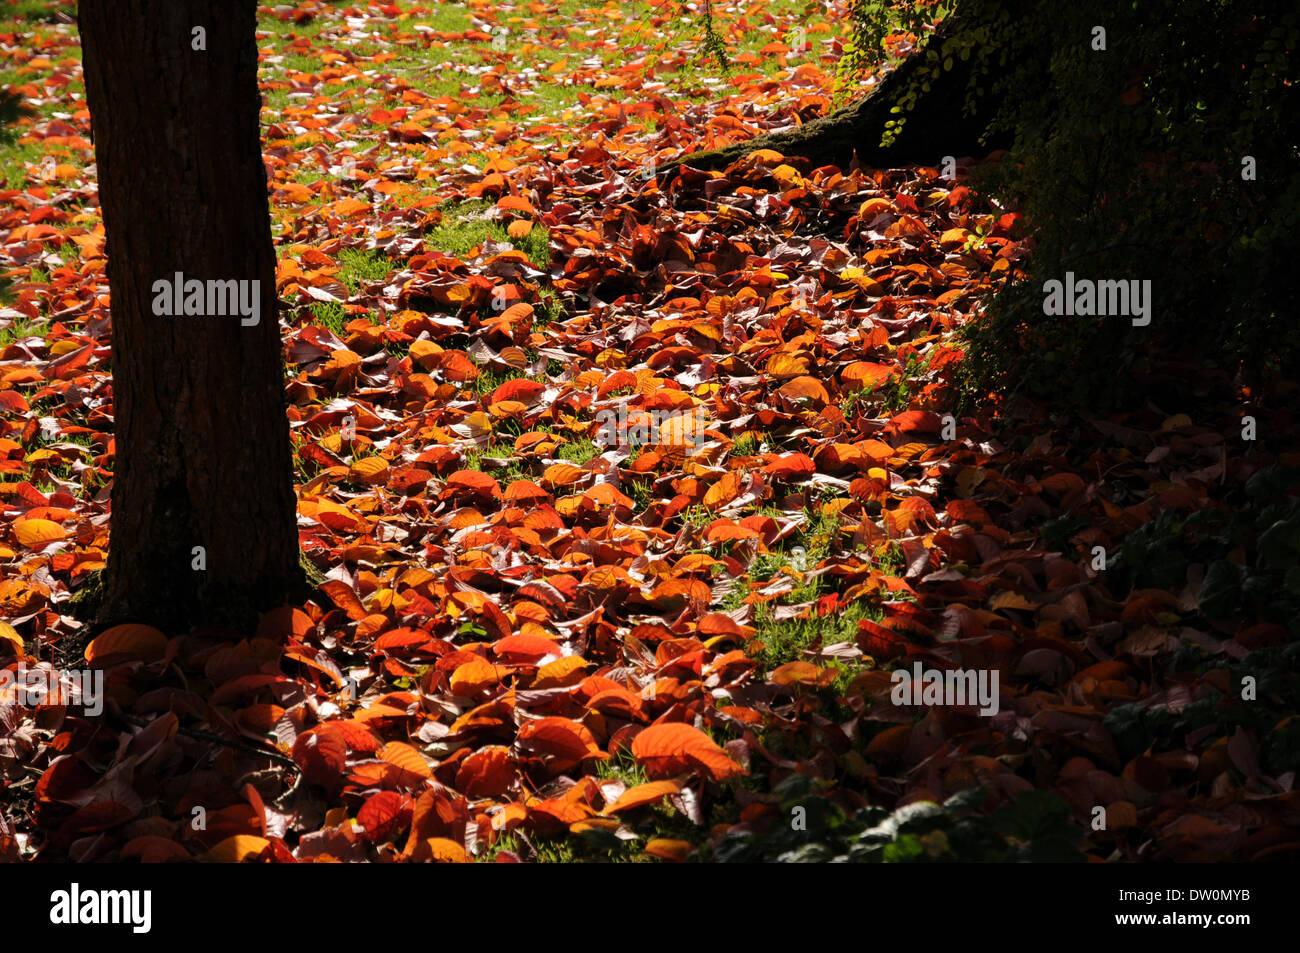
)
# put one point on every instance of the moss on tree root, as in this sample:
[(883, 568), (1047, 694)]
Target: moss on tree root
[(934, 126)]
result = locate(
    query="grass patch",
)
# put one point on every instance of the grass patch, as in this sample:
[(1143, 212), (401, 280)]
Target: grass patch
[(17, 329), (17, 14), (578, 451), (463, 228), (330, 314), (787, 641), (14, 160), (358, 268)]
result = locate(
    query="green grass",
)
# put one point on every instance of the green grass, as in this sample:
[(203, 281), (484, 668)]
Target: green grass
[(697, 515), (597, 846), (358, 268), (20, 14), (444, 17), (489, 379), (579, 450), (897, 392), (275, 100), (331, 315), (548, 308), (464, 228), (17, 329), (623, 768), (787, 641), (13, 163), (642, 493), (746, 445), (537, 246)]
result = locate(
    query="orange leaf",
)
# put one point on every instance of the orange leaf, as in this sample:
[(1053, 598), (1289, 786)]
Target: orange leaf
[(563, 742), (673, 748), (126, 643), (473, 678), (10, 634), (724, 491), (515, 203), (520, 389), (237, 849), (369, 470), (667, 849), (561, 672), (643, 794), (531, 648), (866, 374), (444, 851), (562, 474), (406, 758), (488, 772), (797, 673), (474, 481)]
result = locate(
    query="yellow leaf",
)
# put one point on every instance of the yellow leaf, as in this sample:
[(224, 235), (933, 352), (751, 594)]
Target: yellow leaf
[(445, 851), (370, 470), (10, 634), (953, 238), (560, 673), (667, 849), (237, 849), (786, 365), (36, 533), (422, 353), (472, 678), (873, 207), (562, 474)]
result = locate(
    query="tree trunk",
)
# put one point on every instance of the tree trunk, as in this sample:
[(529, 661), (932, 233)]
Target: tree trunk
[(203, 511), (935, 126)]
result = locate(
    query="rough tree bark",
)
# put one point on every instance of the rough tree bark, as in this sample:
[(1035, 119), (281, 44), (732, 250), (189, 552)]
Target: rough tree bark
[(202, 440)]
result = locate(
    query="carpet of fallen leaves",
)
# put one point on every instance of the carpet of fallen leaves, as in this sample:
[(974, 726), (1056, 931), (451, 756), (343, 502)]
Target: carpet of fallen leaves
[(531, 645)]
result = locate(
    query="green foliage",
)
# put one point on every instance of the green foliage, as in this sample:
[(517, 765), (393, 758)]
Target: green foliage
[(331, 315), (1263, 529), (714, 45), (579, 451), (1266, 584), (1128, 163), (1137, 728), (872, 24), (12, 108), (1036, 828), (465, 227)]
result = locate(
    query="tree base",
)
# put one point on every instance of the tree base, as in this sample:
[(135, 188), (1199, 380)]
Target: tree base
[(93, 606), (934, 126)]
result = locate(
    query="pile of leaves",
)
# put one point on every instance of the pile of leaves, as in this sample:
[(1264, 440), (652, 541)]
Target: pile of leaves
[(534, 644)]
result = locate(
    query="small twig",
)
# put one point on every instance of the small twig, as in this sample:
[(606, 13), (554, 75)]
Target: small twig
[(200, 735)]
